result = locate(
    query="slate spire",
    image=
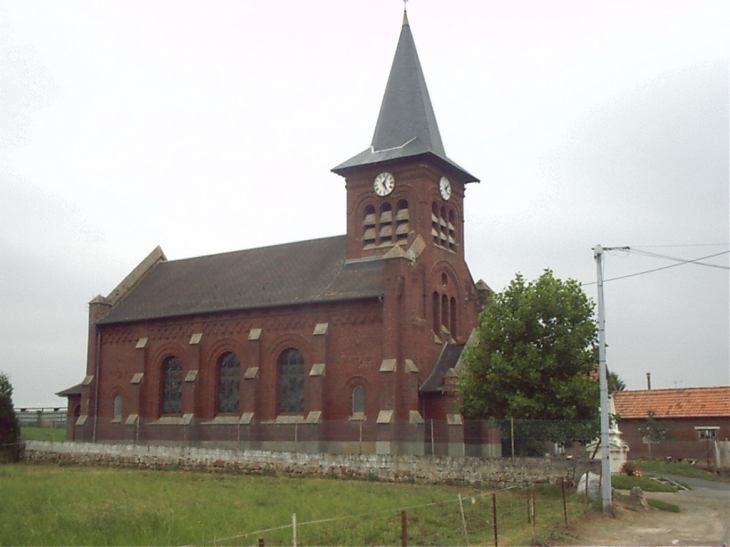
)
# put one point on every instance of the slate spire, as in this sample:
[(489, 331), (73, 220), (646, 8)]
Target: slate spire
[(406, 112), (406, 125)]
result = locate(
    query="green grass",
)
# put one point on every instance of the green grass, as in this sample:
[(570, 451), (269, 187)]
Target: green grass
[(647, 484), (29, 433), (663, 505), (681, 469), (66, 505)]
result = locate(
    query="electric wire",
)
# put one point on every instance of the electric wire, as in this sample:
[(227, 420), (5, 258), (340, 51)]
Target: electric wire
[(657, 255), (682, 263)]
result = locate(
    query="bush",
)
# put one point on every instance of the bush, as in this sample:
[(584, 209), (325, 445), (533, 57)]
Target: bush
[(9, 426), (631, 469)]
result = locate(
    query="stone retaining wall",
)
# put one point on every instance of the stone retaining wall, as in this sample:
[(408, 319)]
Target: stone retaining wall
[(499, 472)]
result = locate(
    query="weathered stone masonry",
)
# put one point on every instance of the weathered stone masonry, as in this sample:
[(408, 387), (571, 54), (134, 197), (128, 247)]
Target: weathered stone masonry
[(495, 473)]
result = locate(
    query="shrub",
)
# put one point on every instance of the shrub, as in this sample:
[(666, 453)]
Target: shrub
[(9, 426)]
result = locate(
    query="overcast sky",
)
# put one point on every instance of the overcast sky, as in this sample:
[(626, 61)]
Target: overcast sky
[(206, 127)]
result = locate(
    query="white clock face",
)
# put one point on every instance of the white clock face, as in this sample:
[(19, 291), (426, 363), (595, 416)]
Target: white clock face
[(445, 188), (384, 184)]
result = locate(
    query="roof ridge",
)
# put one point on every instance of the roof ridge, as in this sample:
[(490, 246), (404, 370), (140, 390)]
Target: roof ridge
[(275, 245)]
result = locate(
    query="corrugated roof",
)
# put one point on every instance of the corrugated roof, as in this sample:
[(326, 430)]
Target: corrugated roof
[(406, 126), (289, 274), (674, 403)]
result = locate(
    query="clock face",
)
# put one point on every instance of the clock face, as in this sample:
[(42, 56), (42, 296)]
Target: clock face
[(445, 188), (384, 184)]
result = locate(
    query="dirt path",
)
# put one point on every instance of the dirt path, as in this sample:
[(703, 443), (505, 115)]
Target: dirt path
[(704, 520)]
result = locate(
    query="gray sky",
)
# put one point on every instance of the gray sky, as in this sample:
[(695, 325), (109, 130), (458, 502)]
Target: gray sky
[(126, 125)]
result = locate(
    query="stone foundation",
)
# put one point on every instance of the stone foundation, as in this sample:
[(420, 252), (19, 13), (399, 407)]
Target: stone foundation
[(495, 473)]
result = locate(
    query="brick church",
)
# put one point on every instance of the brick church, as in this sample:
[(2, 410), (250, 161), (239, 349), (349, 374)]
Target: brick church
[(344, 344)]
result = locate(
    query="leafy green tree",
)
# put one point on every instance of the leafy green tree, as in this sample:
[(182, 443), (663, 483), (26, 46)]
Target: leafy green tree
[(615, 382), (536, 360), (9, 426), (654, 431)]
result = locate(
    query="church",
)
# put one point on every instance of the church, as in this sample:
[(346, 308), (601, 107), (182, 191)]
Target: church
[(345, 344)]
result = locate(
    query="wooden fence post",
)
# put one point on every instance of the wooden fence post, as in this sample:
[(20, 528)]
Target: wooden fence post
[(403, 529), (494, 515)]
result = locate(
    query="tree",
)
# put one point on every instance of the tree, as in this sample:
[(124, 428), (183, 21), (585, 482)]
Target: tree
[(654, 431), (536, 359), (615, 382), (9, 426)]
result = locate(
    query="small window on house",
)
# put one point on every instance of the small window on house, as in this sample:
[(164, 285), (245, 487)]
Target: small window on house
[(358, 400), (172, 386), (708, 433), (117, 407), (229, 383), (291, 382)]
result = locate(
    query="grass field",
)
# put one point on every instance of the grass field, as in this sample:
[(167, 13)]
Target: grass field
[(681, 469), (647, 484), (29, 433), (52, 505)]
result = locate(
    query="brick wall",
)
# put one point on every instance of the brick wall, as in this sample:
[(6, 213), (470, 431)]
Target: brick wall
[(497, 473)]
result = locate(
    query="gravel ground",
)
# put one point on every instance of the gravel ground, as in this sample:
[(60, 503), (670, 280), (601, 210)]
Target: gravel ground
[(704, 520)]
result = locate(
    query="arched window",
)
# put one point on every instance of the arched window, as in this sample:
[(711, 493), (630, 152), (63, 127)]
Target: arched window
[(291, 382), (452, 230), (369, 230), (386, 224), (435, 227), (445, 311), (402, 219), (444, 229), (436, 313), (117, 408), (452, 322), (172, 386), (358, 400), (229, 384)]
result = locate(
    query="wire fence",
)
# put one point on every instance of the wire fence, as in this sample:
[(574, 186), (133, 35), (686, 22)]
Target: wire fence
[(42, 417), (486, 438), (480, 438), (516, 516)]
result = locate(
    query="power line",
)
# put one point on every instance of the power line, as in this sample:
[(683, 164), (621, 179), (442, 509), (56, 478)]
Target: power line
[(682, 263), (685, 245), (656, 255)]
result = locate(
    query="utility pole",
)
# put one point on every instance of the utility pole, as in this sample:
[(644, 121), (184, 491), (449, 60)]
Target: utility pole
[(603, 381)]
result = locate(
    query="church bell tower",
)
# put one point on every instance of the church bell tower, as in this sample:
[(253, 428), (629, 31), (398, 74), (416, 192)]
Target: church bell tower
[(404, 185)]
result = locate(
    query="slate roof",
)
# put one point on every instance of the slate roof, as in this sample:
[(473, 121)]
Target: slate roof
[(674, 403), (289, 274), (447, 360), (75, 390), (406, 125)]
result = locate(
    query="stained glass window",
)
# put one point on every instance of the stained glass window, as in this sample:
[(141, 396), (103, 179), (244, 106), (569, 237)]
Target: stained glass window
[(291, 382), (229, 384), (172, 386)]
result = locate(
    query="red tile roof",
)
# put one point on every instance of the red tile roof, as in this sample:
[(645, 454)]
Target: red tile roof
[(674, 403)]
